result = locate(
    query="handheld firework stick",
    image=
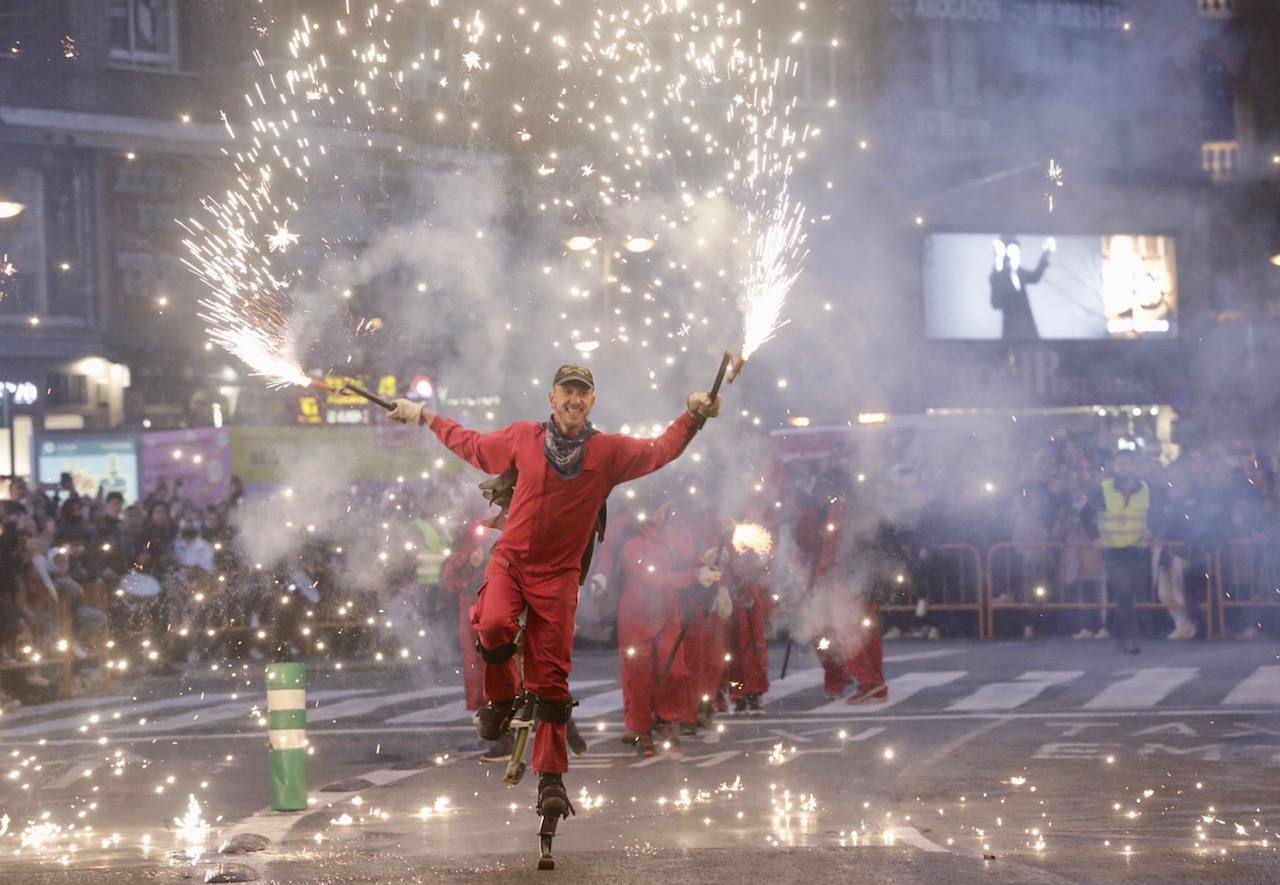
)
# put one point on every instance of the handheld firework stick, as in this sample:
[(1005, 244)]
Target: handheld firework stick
[(684, 628), (726, 362), (786, 659), (358, 391), (371, 397)]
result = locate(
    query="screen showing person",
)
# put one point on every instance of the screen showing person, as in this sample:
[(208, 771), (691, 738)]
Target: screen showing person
[(1027, 286)]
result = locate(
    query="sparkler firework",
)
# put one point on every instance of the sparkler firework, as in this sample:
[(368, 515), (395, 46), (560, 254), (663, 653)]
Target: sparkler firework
[(650, 115)]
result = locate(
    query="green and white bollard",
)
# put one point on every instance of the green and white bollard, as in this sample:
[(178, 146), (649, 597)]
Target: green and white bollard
[(287, 733)]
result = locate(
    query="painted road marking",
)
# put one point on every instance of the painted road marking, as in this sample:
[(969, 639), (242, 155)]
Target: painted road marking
[(364, 706), (797, 682), (238, 709), (900, 688), (1261, 687), (60, 707), (1008, 695), (106, 717), (455, 710), (1146, 688), (790, 721)]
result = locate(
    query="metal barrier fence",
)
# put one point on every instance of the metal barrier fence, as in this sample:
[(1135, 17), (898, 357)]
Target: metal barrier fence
[(1248, 573), (59, 654), (1040, 576), (953, 583)]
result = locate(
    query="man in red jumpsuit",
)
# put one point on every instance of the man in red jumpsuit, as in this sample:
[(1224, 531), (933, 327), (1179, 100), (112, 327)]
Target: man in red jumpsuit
[(706, 644), (658, 564), (849, 646), (749, 641), (566, 470), (461, 576)]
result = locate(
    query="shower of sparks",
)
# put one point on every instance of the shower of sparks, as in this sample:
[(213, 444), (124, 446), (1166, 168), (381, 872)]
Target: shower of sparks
[(753, 537), (281, 239), (674, 111), (193, 829)]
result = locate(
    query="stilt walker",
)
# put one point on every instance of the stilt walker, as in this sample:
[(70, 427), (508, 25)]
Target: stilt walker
[(565, 471)]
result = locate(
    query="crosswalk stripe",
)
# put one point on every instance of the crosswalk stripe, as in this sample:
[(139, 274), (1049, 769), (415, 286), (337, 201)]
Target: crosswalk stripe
[(458, 709), (238, 709), (364, 706), (1008, 695), (900, 688), (599, 705), (14, 715), (797, 682), (1260, 687), (106, 718), (1146, 688)]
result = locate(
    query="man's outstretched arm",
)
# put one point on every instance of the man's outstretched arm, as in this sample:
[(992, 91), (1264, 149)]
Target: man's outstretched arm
[(491, 452), (634, 458)]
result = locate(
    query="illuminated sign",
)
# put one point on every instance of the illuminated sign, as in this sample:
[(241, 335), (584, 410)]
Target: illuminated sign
[(337, 406)]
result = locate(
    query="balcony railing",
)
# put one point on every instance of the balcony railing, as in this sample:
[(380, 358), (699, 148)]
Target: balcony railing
[(1220, 158)]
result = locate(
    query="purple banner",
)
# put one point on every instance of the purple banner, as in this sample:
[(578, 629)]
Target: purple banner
[(200, 459)]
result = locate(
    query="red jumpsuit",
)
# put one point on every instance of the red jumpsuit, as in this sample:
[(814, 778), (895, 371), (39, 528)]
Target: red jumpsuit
[(536, 563), (462, 578), (748, 641), (657, 564), (706, 642), (854, 650)]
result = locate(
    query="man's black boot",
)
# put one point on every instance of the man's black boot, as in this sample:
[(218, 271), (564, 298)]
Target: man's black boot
[(493, 719)]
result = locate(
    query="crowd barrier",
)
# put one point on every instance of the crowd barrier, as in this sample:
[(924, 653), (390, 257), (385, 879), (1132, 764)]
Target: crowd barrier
[(1248, 576), (1240, 578), (1045, 576), (952, 582), (58, 653)]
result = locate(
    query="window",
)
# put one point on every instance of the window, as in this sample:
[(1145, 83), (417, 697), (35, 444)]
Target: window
[(954, 67), (1217, 98), (144, 33), (22, 240)]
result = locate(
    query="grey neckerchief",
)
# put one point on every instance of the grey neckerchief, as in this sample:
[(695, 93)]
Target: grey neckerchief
[(564, 454)]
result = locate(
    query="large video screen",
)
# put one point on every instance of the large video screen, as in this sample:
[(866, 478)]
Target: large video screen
[(1024, 287)]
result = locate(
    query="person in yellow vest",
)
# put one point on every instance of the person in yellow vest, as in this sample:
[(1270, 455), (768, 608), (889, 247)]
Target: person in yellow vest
[(1118, 518)]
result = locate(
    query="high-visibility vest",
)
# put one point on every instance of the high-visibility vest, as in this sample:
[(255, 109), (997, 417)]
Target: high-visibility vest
[(432, 553), (1123, 523)]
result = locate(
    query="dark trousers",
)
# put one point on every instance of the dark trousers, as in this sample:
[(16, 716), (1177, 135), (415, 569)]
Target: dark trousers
[(1128, 576)]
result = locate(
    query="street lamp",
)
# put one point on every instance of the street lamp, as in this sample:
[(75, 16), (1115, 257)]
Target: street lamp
[(11, 209), (584, 242)]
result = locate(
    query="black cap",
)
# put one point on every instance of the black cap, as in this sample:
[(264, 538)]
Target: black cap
[(574, 373)]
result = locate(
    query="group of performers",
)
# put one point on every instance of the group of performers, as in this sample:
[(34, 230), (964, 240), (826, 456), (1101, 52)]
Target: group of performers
[(692, 609)]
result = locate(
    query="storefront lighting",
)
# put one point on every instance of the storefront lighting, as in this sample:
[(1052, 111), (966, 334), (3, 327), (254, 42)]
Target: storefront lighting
[(638, 245), (11, 209), (580, 243)]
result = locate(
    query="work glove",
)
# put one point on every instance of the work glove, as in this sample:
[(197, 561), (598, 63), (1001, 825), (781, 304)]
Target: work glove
[(406, 412), (598, 583), (702, 406), (708, 575), (711, 557), (723, 603)]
